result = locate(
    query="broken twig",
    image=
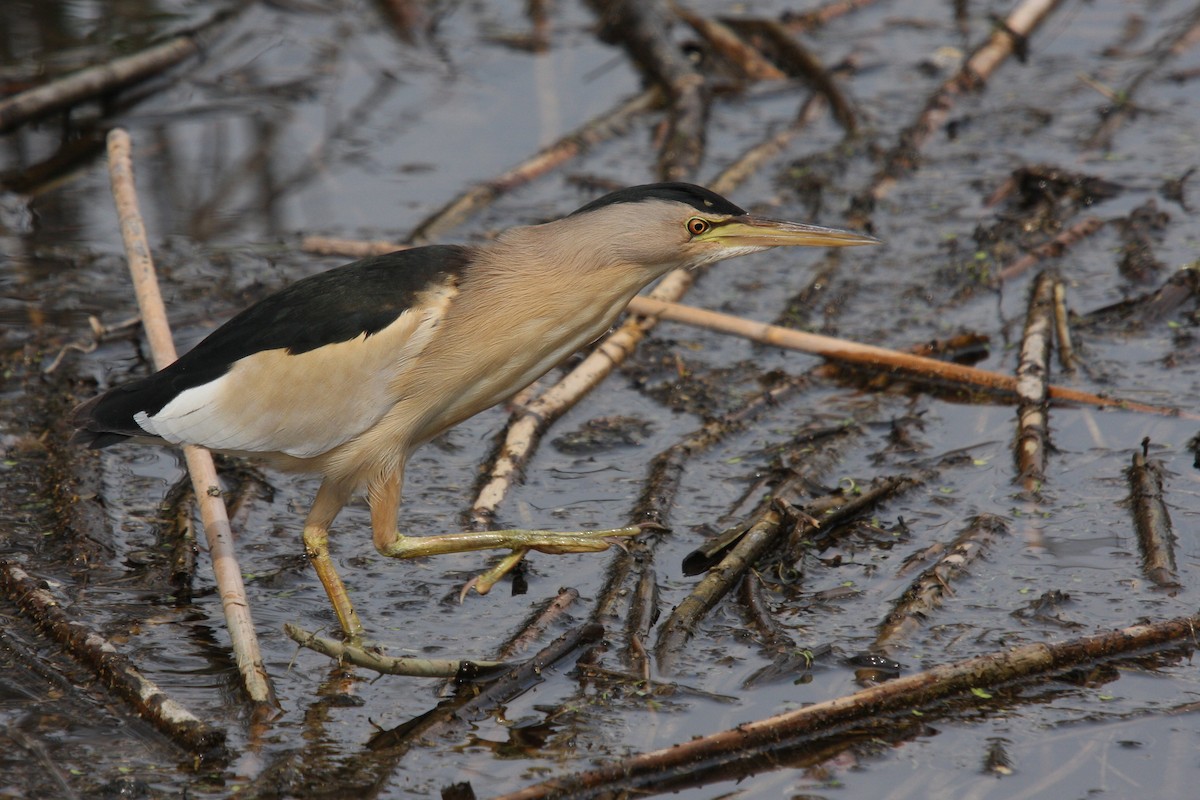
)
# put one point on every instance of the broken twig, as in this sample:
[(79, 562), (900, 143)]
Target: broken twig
[(1033, 382), (1152, 520)]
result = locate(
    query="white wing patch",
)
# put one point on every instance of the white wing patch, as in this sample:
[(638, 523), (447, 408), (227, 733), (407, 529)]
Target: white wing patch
[(171, 421)]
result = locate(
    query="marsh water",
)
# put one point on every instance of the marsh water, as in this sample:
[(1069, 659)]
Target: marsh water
[(351, 119)]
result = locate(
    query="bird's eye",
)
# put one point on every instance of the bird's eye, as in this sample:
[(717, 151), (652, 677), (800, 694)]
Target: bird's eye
[(697, 226)]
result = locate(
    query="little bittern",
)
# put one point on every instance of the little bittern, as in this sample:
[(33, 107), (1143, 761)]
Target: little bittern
[(347, 372)]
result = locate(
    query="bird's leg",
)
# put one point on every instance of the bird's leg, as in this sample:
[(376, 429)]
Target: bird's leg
[(329, 501), (385, 505)]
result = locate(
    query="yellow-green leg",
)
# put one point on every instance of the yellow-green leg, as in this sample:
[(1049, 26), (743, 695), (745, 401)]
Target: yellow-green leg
[(385, 504), (329, 501)]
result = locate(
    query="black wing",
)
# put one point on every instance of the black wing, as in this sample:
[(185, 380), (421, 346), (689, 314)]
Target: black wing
[(334, 306)]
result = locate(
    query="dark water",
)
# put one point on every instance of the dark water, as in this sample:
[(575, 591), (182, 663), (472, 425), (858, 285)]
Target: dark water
[(322, 118)]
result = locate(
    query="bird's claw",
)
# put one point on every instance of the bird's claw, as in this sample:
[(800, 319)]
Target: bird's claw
[(476, 584)]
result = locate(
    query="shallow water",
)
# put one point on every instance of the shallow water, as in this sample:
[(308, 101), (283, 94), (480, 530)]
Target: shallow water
[(306, 118)]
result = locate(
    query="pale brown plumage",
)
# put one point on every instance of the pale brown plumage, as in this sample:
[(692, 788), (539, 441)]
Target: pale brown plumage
[(345, 374)]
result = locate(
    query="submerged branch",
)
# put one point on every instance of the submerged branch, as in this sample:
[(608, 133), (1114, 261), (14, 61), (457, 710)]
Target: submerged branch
[(1180, 37), (641, 27), (114, 669), (1051, 249), (924, 595), (1152, 520), (1062, 329), (1003, 42), (97, 81), (921, 690)]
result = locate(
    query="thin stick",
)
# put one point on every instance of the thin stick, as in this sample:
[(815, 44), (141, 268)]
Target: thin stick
[(892, 697), (200, 464), (114, 669), (351, 248), (881, 358)]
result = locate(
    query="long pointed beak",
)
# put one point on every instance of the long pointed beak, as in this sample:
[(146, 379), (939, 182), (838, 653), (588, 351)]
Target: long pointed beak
[(752, 231)]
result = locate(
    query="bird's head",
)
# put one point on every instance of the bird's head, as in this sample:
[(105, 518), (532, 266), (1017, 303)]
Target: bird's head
[(662, 226)]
